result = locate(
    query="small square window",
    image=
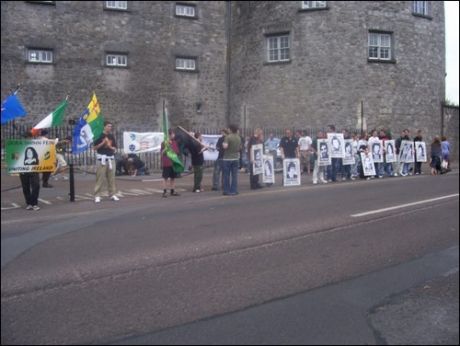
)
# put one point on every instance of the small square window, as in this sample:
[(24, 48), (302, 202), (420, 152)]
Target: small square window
[(117, 60), (185, 10), (379, 46), (42, 56), (420, 7), (187, 64), (278, 48), (307, 5), (117, 5)]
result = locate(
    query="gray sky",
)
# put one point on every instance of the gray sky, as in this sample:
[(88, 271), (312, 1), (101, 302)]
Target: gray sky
[(452, 58)]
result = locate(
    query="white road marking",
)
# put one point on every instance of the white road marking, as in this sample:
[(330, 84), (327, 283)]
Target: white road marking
[(403, 205), (14, 206), (45, 201)]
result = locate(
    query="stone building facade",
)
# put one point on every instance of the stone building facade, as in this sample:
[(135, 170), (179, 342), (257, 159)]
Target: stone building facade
[(328, 77), (148, 34), (257, 63)]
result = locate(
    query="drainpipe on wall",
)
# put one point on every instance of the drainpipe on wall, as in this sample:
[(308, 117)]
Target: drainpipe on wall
[(228, 66)]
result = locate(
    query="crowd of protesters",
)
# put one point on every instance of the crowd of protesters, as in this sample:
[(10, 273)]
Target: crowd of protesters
[(235, 154)]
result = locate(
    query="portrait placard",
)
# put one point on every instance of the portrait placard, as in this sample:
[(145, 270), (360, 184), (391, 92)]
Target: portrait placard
[(368, 164), (336, 145), (420, 152), (390, 154), (291, 172), (349, 158), (376, 149), (406, 152), (268, 175), (257, 159), (30, 155), (324, 155)]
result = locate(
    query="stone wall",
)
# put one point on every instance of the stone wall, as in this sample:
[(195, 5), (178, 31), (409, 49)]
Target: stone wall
[(450, 124), (326, 81), (81, 32), (329, 74)]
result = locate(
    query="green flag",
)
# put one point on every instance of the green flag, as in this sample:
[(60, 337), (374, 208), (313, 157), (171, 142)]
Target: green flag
[(178, 166)]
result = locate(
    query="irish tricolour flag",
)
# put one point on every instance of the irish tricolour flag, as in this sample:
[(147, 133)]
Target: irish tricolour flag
[(55, 118), (89, 127)]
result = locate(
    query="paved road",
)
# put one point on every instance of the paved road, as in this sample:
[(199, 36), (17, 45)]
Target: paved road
[(121, 270)]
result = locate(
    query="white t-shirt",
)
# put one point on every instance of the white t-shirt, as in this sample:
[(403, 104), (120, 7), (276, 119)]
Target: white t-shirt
[(305, 143)]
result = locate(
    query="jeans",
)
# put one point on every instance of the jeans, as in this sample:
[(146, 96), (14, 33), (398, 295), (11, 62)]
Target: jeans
[(389, 169), (217, 175), (230, 176), (333, 168)]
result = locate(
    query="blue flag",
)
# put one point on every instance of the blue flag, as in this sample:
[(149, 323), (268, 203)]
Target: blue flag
[(12, 108)]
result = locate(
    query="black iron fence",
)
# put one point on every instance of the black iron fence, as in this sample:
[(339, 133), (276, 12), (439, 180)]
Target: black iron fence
[(87, 160)]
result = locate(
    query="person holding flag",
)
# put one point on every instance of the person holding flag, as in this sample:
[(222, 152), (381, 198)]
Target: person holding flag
[(105, 147), (170, 162)]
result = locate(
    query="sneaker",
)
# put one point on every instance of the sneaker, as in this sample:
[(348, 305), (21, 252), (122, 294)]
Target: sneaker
[(197, 190), (114, 198), (380, 176), (324, 181), (35, 207), (315, 182), (97, 200), (395, 174), (29, 207), (175, 193)]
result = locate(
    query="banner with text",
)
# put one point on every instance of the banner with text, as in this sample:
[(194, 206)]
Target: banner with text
[(30, 155)]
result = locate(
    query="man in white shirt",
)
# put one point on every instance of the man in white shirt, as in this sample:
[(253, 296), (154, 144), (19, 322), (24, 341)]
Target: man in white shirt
[(305, 151)]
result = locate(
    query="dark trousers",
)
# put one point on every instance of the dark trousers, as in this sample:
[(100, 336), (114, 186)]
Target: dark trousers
[(253, 179), (45, 178), (30, 187), (418, 168), (198, 177)]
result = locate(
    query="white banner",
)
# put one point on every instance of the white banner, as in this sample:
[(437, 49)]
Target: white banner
[(210, 140), (142, 142), (420, 152)]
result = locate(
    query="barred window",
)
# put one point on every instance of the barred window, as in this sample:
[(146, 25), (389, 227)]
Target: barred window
[(313, 4), (420, 7), (278, 48), (188, 64), (117, 60), (117, 5), (44, 56), (379, 46), (185, 10)]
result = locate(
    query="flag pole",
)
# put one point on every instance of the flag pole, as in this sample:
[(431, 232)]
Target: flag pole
[(71, 170)]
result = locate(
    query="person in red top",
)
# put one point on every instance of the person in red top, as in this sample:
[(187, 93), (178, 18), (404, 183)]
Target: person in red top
[(167, 166)]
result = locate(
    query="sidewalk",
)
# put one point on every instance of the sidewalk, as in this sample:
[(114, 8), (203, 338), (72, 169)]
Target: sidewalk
[(129, 186)]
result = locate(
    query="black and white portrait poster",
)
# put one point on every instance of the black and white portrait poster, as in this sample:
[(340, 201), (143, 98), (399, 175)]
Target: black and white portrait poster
[(337, 145), (420, 151), (376, 149), (324, 154), (210, 141), (291, 172), (349, 157), (257, 158), (406, 152), (368, 164), (390, 152), (268, 175)]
